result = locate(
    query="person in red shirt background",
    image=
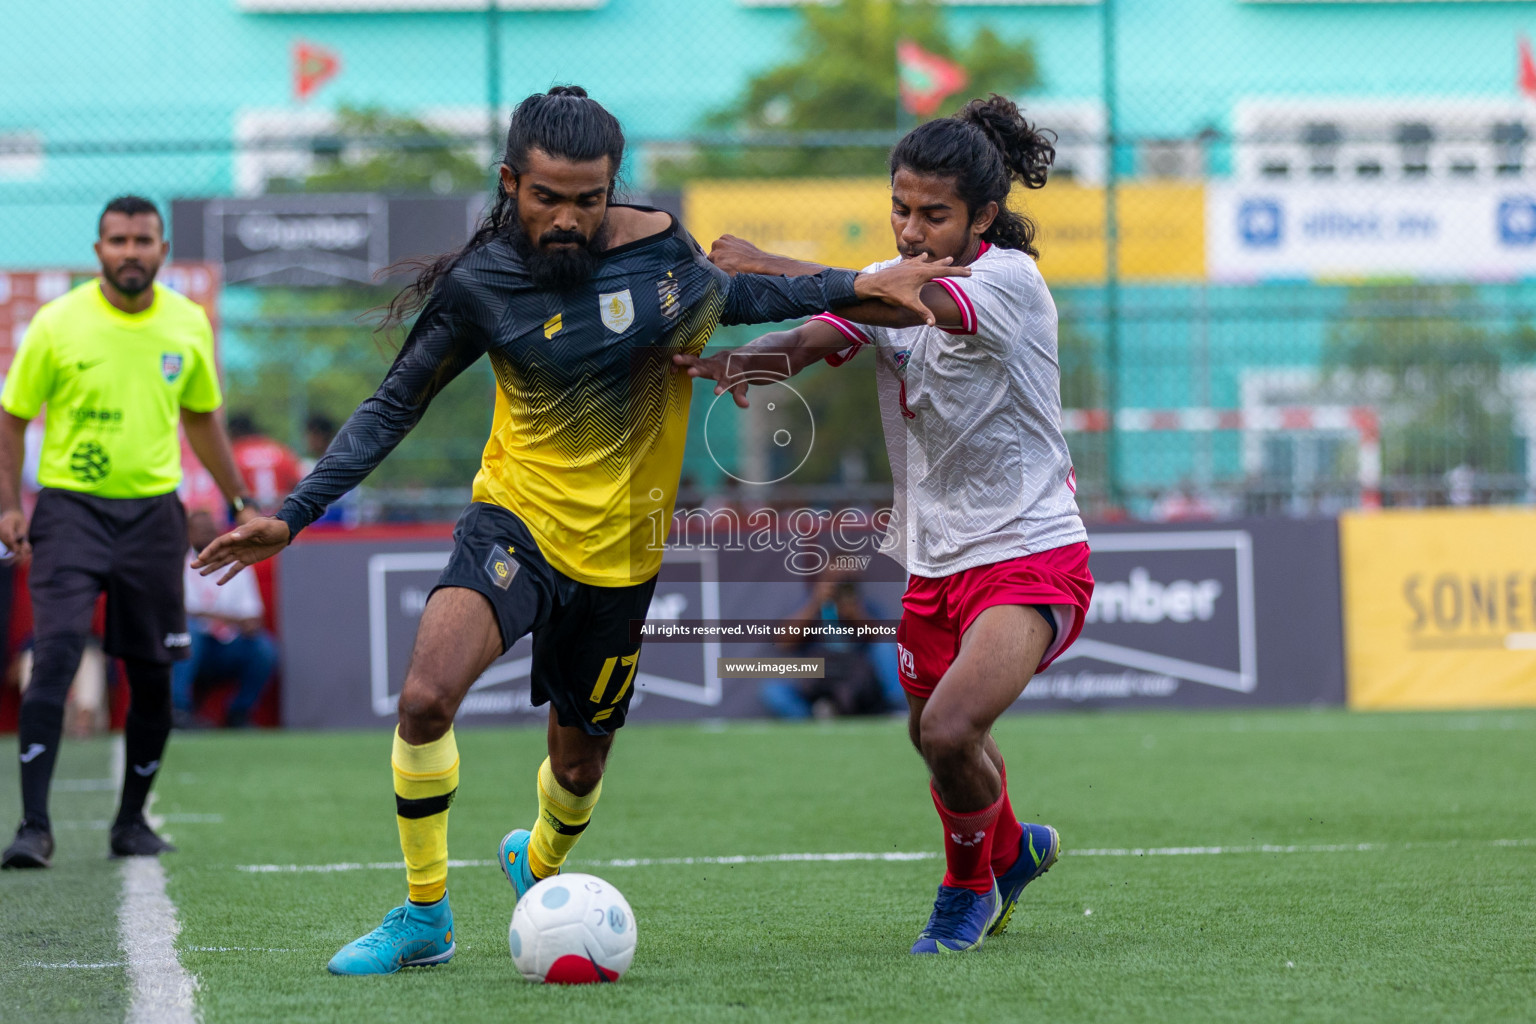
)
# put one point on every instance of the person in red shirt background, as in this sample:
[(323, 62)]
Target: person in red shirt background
[(270, 467)]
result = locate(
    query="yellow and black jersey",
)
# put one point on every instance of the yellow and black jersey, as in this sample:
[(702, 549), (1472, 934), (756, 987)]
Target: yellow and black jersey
[(587, 440)]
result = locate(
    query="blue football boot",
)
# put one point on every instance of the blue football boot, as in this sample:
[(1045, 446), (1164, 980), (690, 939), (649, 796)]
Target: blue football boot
[(411, 936), (1039, 847), (513, 858), (959, 921)]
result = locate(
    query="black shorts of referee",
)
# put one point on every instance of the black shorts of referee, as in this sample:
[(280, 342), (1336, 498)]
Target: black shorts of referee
[(134, 550)]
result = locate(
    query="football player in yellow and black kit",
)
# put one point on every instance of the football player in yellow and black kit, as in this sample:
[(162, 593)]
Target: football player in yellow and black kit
[(580, 304)]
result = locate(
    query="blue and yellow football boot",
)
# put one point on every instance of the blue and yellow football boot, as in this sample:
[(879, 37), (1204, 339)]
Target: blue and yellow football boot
[(513, 858), (959, 921), (1039, 847), (411, 936)]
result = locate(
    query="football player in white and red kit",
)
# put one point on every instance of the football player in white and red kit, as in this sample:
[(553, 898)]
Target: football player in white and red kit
[(985, 519)]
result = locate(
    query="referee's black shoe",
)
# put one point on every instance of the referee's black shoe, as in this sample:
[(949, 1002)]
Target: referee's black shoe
[(135, 838), (32, 848)]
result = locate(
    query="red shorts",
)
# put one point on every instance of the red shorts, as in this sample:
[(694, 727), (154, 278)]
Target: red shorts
[(935, 613)]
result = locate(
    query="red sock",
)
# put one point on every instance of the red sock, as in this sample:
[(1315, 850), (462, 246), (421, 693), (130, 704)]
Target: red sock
[(967, 845), (1007, 833)]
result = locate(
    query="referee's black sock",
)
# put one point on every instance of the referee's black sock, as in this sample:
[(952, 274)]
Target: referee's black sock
[(144, 733), (38, 731), (40, 725)]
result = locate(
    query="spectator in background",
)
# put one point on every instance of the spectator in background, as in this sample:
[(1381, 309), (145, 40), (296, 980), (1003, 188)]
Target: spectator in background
[(860, 678), (319, 429), (270, 468), (229, 639)]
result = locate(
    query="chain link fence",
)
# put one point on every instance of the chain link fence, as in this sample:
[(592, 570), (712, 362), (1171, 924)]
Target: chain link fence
[(1291, 245)]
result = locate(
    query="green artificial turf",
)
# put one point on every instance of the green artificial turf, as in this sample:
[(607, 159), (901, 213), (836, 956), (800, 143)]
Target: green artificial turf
[(66, 915), (1431, 920)]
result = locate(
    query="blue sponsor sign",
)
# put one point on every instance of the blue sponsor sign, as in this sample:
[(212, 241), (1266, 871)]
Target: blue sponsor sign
[(1259, 223), (1517, 221)]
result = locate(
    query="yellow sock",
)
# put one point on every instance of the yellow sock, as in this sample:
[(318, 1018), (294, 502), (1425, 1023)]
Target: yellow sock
[(426, 778), (563, 816)]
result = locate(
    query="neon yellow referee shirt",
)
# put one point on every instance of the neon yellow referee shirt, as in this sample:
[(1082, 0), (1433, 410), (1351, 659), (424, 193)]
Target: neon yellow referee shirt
[(114, 384)]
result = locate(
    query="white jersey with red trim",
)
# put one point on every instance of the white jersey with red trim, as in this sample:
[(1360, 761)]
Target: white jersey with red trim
[(972, 419)]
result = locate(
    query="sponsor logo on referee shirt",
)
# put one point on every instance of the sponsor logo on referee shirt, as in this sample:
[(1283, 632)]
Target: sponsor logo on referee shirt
[(89, 462), (617, 310), (178, 639)]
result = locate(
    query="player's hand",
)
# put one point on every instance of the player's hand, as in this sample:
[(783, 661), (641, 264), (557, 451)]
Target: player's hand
[(738, 256), (902, 285), (717, 369), (13, 533), (245, 545)]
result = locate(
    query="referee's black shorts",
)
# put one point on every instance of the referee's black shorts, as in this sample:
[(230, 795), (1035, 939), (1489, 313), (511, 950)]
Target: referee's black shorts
[(584, 662), (132, 549)]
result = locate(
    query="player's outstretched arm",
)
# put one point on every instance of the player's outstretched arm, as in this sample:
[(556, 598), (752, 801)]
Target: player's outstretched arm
[(769, 358), (902, 295), (443, 343), (247, 544), (739, 256)]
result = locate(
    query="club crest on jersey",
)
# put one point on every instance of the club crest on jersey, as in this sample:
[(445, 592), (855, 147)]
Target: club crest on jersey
[(170, 366), (501, 568), (617, 310), (669, 294)]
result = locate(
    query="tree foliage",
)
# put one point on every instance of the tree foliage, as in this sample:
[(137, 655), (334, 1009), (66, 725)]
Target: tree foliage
[(843, 79), (1437, 373), (315, 350), (374, 150)]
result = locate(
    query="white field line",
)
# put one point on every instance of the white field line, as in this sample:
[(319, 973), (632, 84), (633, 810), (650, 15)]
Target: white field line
[(160, 991), (75, 965), (824, 858)]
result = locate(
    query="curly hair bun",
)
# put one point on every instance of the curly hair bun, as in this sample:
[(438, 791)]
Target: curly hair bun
[(1027, 150)]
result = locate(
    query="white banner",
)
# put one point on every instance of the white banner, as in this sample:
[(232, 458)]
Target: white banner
[(1481, 231)]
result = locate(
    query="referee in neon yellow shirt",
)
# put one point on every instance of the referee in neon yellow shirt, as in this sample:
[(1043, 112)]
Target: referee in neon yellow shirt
[(117, 363)]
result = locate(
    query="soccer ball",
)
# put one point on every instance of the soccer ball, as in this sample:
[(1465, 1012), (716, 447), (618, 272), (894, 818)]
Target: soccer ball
[(572, 929)]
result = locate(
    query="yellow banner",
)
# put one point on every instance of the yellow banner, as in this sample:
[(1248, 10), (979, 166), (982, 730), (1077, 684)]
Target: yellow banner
[(845, 222), (1440, 608)]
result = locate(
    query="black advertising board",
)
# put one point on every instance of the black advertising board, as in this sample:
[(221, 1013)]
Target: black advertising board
[(1221, 615), (1229, 615)]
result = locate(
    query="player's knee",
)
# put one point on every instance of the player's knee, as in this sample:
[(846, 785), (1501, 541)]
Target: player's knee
[(425, 710), (580, 775), (945, 737), (55, 659)]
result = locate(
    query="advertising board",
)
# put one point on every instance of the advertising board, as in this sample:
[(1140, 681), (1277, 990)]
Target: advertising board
[(1440, 607)]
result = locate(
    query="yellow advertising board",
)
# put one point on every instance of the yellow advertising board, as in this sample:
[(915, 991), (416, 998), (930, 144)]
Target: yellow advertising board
[(1440, 607), (846, 222)]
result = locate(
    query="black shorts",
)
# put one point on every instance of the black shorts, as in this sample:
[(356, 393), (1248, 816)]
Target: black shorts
[(584, 661), (132, 549)]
